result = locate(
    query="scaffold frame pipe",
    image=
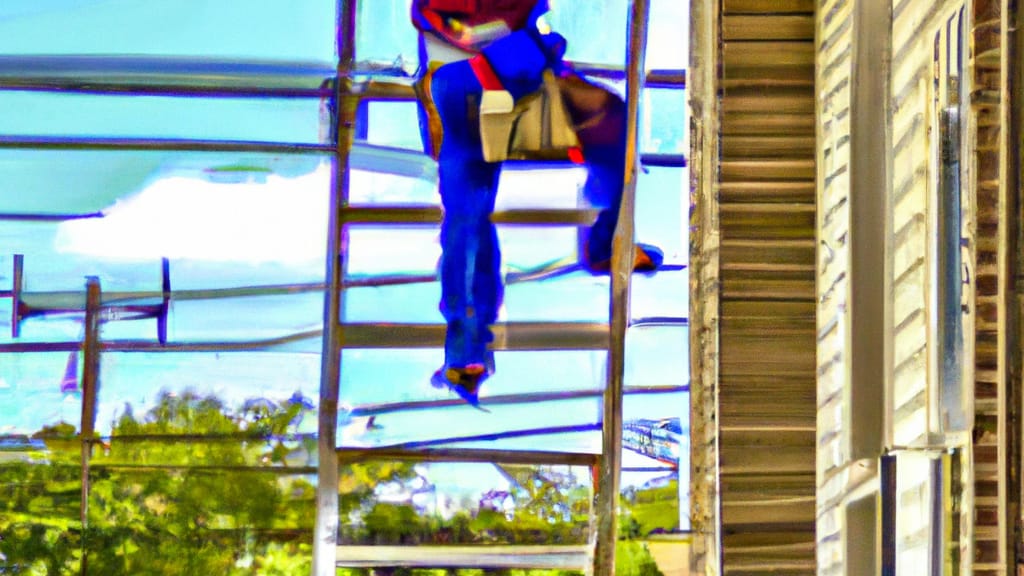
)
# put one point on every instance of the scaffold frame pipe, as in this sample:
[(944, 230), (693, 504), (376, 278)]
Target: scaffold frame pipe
[(17, 284), (90, 382), (165, 75), (55, 301), (504, 399), (391, 214), (77, 75), (513, 336), (493, 436), (468, 455), (161, 144), (170, 90)]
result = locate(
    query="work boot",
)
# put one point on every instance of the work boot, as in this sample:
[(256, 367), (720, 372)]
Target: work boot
[(463, 380), (646, 258)]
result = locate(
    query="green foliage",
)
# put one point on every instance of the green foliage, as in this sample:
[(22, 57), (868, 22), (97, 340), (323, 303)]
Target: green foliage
[(57, 431), (549, 508), (193, 488), (39, 509), (217, 506), (649, 510), (39, 548), (357, 483), (216, 513), (394, 524), (634, 559)]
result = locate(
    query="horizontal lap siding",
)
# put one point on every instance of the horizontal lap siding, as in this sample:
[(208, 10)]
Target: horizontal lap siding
[(912, 110), (767, 217), (835, 37)]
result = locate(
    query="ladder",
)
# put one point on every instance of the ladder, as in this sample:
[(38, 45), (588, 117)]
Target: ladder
[(127, 75), (599, 556)]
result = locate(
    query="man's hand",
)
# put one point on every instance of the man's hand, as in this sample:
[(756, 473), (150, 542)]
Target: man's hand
[(519, 59)]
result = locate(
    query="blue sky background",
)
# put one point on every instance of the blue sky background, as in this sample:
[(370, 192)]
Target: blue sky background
[(232, 219)]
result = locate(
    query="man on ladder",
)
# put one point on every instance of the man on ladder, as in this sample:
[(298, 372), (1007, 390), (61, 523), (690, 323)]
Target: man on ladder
[(477, 57)]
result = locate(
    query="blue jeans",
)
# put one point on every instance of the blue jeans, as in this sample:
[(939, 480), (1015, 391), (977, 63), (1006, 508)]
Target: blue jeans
[(471, 286)]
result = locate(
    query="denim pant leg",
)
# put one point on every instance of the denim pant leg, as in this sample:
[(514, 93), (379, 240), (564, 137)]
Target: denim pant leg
[(605, 176), (470, 261), (601, 118)]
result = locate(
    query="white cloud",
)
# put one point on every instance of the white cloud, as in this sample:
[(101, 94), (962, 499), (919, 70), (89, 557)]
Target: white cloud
[(282, 220)]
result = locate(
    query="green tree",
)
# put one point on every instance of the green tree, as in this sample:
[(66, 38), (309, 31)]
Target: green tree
[(40, 495), (217, 503), (194, 487)]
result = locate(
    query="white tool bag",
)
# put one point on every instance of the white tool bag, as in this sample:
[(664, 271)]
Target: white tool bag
[(537, 128)]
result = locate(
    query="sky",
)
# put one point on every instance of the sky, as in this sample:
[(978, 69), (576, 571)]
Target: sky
[(245, 219)]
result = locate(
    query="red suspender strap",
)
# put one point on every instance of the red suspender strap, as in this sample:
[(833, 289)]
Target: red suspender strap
[(484, 73), (462, 6), (435, 20)]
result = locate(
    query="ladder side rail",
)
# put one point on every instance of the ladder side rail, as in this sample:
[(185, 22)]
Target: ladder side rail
[(609, 474), (325, 536)]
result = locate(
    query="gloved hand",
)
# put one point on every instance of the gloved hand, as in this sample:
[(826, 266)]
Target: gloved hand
[(554, 45), (519, 59)]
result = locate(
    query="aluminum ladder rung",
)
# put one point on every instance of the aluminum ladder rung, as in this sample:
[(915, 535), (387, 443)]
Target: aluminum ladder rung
[(432, 215), (380, 159), (659, 160), (415, 164), (507, 336), (491, 557)]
